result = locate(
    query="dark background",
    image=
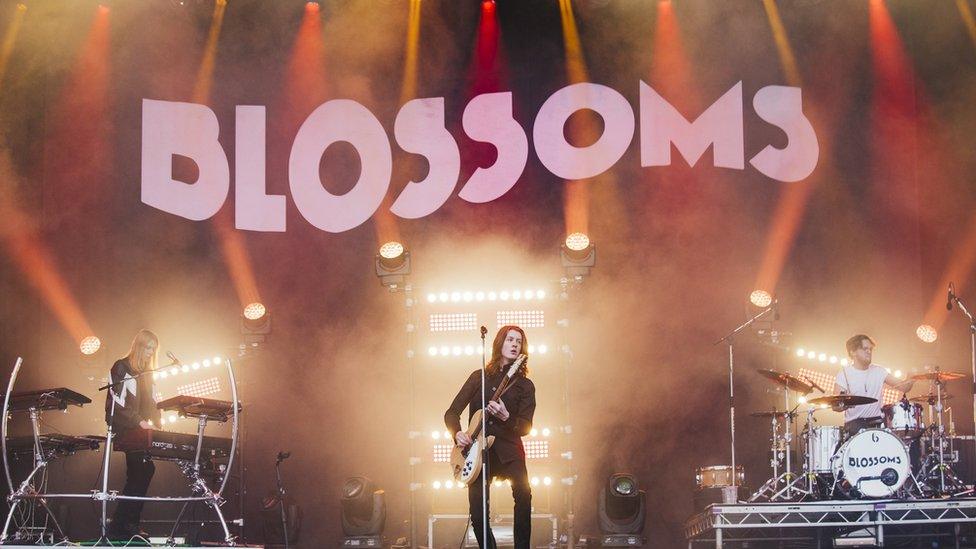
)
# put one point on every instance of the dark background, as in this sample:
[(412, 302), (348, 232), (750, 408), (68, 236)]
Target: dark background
[(679, 247)]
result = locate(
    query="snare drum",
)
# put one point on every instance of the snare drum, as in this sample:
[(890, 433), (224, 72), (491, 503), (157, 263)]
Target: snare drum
[(718, 475), (822, 442), (874, 461), (904, 418)]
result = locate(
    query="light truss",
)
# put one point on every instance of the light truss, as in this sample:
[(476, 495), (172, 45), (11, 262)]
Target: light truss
[(824, 520)]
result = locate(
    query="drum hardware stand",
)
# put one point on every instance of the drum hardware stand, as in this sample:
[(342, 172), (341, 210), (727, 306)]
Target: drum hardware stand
[(729, 339)]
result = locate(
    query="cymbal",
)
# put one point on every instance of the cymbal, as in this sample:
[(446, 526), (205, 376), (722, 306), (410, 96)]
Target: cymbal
[(769, 413), (846, 400), (929, 398), (791, 382), (939, 376)]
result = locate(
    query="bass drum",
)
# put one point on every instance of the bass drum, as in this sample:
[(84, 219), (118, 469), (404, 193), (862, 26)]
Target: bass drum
[(874, 462)]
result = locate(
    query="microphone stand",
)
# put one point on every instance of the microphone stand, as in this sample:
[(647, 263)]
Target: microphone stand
[(728, 338), (953, 298), (484, 447), (282, 456)]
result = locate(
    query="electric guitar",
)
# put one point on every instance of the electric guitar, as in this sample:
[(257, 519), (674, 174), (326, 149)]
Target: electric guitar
[(466, 460)]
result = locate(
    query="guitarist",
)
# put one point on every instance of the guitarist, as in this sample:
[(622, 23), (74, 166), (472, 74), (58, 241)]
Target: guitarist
[(509, 419)]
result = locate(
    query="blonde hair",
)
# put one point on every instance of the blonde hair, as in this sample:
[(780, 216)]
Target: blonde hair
[(137, 351)]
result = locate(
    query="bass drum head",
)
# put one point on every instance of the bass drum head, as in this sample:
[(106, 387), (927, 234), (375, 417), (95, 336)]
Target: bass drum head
[(874, 461)]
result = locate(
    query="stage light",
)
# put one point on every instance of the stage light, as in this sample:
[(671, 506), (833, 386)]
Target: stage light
[(449, 484), (497, 483), (503, 295), (927, 333), (516, 295), (492, 296), (543, 349), (898, 374), (172, 418), (255, 323), (445, 351), (540, 294), (436, 485), (761, 298), (217, 360), (534, 481), (547, 481), (442, 452), (456, 350), (822, 357), (431, 298), (525, 319), (469, 350), (435, 435), (801, 399), (254, 311), (531, 349), (800, 353), (833, 359), (432, 351), (196, 366), (206, 363), (529, 294), (452, 322), (577, 255), (546, 432), (163, 375), (577, 242), (447, 434), (200, 388), (536, 449), (185, 368), (533, 432), (392, 265), (155, 375), (479, 296), (811, 355), (621, 508), (363, 508), (455, 297), (90, 345), (844, 362), (443, 297)]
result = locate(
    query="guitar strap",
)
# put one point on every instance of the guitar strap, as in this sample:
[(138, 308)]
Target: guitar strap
[(507, 387)]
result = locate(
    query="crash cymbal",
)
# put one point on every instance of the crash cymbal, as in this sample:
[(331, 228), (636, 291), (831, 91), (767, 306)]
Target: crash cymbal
[(931, 399), (846, 400), (939, 376), (791, 382), (769, 413)]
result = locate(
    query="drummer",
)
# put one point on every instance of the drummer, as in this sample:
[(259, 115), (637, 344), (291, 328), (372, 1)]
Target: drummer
[(863, 378)]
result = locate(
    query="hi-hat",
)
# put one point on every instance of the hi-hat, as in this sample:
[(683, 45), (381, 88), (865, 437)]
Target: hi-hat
[(846, 400), (791, 382)]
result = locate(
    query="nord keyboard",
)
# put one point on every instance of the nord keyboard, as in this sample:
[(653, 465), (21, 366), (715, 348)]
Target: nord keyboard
[(168, 445), (191, 406), (47, 399)]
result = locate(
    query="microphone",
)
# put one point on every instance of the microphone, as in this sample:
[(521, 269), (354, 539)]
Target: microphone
[(282, 456), (484, 331), (814, 383), (171, 356), (949, 296)]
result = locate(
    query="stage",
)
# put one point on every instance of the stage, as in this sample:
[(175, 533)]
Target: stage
[(948, 522)]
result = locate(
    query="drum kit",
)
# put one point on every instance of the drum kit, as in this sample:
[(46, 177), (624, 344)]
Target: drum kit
[(903, 455)]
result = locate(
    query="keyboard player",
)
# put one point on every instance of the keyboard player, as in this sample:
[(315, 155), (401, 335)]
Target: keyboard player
[(135, 408)]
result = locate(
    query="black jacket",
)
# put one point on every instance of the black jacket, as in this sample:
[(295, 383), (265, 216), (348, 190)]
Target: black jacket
[(519, 399), (130, 408)]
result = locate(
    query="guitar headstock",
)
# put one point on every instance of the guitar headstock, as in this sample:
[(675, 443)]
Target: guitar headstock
[(516, 365)]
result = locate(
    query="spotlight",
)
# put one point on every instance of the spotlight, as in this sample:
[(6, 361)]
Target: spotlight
[(255, 323), (927, 333), (761, 298), (363, 511), (800, 353), (254, 311), (90, 345), (621, 510), (577, 255), (392, 265)]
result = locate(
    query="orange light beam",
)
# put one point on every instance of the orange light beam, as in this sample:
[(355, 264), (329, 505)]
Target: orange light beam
[(967, 18), (10, 38), (232, 244), (204, 80), (793, 198), (576, 194), (958, 271), (384, 222)]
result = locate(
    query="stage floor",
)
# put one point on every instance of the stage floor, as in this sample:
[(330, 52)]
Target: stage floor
[(875, 523)]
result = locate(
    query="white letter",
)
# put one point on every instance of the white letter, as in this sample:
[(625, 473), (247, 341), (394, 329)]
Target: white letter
[(186, 129), (568, 161), (419, 129), (339, 120), (782, 106), (488, 117), (720, 124), (255, 211)]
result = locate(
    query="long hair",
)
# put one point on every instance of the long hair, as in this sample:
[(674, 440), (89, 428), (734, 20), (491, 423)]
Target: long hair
[(137, 351), (495, 364)]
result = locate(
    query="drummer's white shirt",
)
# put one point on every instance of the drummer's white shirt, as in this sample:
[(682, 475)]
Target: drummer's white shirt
[(869, 383)]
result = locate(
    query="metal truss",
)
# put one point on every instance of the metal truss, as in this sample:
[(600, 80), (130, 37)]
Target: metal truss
[(825, 520)]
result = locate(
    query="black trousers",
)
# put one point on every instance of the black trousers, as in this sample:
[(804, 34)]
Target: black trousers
[(138, 474), (516, 472)]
